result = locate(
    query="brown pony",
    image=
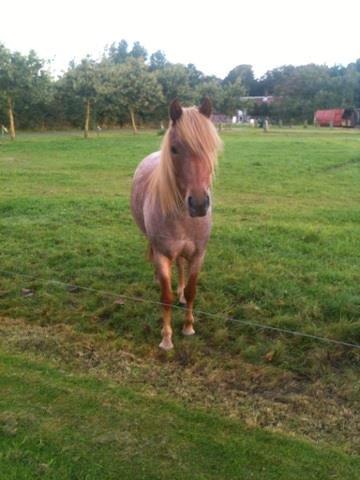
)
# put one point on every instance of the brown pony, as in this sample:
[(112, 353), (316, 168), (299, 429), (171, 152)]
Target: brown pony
[(171, 204)]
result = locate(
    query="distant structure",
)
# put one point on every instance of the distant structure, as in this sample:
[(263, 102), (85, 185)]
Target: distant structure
[(241, 116), (220, 120), (337, 117), (259, 100)]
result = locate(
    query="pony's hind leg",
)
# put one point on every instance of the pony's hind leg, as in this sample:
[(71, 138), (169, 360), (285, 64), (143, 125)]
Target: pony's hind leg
[(180, 262), (190, 292), (150, 258), (163, 269)]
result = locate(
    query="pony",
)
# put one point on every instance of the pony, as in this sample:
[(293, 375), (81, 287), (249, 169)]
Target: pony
[(171, 204)]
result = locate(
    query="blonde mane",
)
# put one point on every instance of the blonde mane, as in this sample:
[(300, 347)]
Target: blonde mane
[(198, 134)]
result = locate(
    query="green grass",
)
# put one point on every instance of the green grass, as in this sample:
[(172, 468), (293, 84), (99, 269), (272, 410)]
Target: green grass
[(284, 250), (56, 424)]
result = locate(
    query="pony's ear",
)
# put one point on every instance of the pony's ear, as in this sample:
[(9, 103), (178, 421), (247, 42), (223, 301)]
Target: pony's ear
[(206, 107), (175, 110)]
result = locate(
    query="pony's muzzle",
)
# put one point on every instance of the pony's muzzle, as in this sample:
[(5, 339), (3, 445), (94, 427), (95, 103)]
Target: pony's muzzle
[(198, 207)]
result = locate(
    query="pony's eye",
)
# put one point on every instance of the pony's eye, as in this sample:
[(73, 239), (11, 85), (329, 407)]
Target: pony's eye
[(174, 150)]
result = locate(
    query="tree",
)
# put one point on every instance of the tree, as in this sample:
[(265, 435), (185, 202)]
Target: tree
[(36, 108), (212, 88), (174, 81), (357, 88), (231, 97), (138, 51), (118, 53), (307, 88), (83, 82), (133, 87), (195, 77), (8, 84), (19, 76), (273, 79), (157, 60), (244, 74)]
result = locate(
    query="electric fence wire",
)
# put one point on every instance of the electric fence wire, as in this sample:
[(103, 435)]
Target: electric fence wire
[(256, 325)]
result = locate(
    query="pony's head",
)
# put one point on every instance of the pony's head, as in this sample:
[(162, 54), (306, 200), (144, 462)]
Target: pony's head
[(187, 161)]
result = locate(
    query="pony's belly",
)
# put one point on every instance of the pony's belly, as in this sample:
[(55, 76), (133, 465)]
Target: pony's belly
[(188, 249), (173, 249)]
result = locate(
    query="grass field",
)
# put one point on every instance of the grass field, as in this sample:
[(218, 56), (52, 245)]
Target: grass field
[(284, 252), (59, 425)]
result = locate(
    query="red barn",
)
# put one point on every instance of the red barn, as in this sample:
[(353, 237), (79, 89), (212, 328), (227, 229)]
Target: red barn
[(337, 117)]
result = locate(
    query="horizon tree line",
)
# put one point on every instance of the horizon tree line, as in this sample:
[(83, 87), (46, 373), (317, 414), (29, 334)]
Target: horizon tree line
[(129, 86)]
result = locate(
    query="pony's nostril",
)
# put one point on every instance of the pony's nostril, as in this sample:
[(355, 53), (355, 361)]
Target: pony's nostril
[(199, 206)]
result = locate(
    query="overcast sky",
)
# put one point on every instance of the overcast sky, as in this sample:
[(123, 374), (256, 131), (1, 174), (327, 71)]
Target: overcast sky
[(215, 35)]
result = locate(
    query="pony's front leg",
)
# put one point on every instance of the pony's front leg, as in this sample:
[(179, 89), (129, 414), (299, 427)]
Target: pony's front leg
[(163, 268), (190, 292)]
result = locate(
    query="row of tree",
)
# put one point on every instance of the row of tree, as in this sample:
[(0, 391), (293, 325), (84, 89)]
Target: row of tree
[(129, 86)]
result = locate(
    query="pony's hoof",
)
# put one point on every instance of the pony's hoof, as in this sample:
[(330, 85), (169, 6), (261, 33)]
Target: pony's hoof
[(188, 331), (166, 344)]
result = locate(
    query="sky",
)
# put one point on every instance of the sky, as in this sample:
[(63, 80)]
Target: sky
[(215, 35)]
